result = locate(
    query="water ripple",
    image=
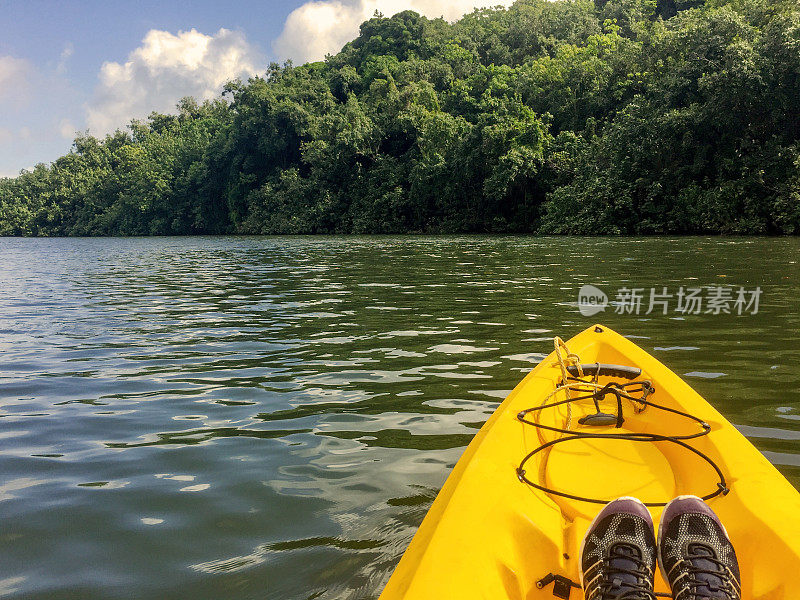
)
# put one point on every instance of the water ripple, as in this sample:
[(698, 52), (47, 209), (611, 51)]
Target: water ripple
[(271, 417)]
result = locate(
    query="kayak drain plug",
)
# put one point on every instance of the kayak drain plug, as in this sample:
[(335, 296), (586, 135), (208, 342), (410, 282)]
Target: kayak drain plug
[(598, 419)]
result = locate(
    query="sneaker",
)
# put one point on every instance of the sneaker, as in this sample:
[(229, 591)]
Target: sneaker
[(618, 554), (695, 552)]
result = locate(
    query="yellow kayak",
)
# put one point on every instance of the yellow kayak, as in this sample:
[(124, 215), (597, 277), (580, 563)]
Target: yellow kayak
[(599, 418)]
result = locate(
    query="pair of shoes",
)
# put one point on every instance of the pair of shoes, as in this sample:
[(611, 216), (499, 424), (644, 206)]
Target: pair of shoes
[(695, 554)]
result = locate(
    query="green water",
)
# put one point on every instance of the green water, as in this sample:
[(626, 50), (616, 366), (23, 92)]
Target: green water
[(271, 417)]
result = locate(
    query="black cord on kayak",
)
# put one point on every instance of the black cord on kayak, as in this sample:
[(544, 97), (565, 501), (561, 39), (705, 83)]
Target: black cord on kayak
[(620, 391), (562, 586)]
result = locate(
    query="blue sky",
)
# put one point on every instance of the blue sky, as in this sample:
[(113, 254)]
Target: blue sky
[(72, 66), (107, 30)]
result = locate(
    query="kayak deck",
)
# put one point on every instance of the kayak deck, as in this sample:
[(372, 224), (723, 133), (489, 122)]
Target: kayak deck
[(490, 535)]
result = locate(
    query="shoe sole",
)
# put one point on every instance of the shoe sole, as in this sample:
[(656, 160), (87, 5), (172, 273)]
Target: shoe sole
[(594, 522), (661, 531)]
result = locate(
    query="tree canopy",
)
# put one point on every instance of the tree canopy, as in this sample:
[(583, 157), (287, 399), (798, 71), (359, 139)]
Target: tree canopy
[(567, 117)]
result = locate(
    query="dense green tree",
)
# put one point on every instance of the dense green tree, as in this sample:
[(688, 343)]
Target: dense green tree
[(708, 146), (574, 116)]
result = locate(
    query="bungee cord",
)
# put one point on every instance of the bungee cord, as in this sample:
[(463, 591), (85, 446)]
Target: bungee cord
[(592, 390)]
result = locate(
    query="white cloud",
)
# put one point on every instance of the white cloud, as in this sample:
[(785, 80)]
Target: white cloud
[(165, 68), (65, 55), (67, 129), (322, 27), (14, 79)]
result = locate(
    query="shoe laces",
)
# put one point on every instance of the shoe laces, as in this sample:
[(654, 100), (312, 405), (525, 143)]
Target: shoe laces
[(705, 576), (621, 575)]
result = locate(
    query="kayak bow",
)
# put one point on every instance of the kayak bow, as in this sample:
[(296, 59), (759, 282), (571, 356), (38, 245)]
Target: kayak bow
[(597, 419)]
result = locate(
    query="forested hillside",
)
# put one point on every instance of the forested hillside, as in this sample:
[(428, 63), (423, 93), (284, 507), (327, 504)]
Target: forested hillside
[(618, 116)]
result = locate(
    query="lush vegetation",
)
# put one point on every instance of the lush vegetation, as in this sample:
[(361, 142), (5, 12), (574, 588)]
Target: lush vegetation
[(616, 116)]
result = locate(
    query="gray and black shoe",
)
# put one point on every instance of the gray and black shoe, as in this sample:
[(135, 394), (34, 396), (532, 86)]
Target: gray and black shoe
[(618, 554), (695, 553)]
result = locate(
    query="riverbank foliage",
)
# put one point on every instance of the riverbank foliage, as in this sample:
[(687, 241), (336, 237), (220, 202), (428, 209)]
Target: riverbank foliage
[(575, 116)]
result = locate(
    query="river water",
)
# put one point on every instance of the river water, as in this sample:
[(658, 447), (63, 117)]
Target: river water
[(246, 417)]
